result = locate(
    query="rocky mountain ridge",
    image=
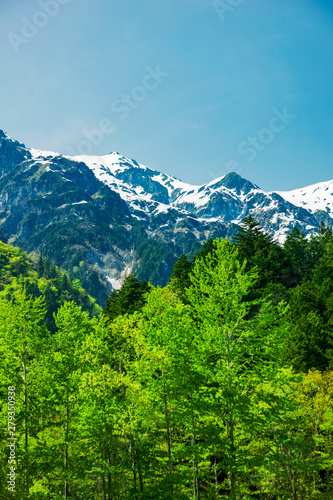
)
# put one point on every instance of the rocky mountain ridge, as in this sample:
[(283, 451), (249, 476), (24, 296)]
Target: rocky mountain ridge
[(102, 217), (226, 200)]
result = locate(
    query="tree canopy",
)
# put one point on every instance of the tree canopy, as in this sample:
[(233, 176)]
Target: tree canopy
[(217, 386)]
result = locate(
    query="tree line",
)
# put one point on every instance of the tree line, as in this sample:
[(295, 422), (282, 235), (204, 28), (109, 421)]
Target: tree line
[(218, 385)]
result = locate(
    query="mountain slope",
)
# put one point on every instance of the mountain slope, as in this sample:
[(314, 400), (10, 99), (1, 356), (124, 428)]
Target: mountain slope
[(165, 202), (41, 280), (101, 217), (316, 199), (51, 205)]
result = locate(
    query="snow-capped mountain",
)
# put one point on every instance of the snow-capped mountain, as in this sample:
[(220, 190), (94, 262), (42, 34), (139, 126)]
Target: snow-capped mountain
[(314, 198), (226, 200), (112, 214)]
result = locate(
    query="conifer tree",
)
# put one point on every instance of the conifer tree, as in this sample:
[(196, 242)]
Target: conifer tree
[(311, 315), (40, 266), (259, 251), (298, 259), (180, 278), (250, 238), (130, 298)]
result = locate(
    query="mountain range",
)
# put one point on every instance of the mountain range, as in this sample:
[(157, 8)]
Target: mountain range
[(101, 217)]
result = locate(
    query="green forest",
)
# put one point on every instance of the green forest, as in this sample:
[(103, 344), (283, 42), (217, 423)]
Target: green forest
[(216, 386)]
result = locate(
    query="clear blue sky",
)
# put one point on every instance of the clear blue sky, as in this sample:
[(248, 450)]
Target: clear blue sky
[(242, 85)]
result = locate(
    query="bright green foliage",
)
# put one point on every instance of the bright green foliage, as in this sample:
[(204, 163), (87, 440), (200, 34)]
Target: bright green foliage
[(16, 270), (23, 340), (165, 367), (242, 363), (61, 374), (315, 394), (179, 392), (13, 262), (102, 413)]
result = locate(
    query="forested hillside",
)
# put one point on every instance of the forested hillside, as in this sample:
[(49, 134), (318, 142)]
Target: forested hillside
[(217, 386), (41, 280)]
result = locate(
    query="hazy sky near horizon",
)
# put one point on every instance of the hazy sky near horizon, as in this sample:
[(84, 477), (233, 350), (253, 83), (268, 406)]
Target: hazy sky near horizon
[(192, 88)]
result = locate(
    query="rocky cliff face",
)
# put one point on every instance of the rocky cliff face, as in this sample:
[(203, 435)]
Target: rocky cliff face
[(53, 206), (100, 217)]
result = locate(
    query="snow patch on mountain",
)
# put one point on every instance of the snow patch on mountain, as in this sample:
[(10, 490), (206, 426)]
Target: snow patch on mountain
[(112, 163), (312, 198), (225, 200), (37, 154), (161, 202)]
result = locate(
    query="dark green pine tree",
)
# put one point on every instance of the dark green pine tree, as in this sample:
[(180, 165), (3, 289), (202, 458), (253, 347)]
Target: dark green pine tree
[(319, 243), (40, 266), (52, 305), (208, 247), (112, 308), (180, 278), (296, 250), (130, 298), (54, 272), (31, 288), (46, 269), (310, 333), (64, 283), (251, 238), (260, 251), (311, 314)]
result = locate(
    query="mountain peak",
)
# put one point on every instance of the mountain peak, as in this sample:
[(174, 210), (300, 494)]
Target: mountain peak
[(4, 135), (314, 198), (234, 182), (101, 209), (225, 200)]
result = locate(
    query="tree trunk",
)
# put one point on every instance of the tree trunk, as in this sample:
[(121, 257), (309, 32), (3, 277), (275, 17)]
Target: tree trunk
[(232, 475), (140, 477), (196, 493), (26, 435), (103, 484), (109, 477), (167, 422), (66, 446), (215, 479)]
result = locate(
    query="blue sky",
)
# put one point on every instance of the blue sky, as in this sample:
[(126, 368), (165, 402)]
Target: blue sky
[(191, 88)]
